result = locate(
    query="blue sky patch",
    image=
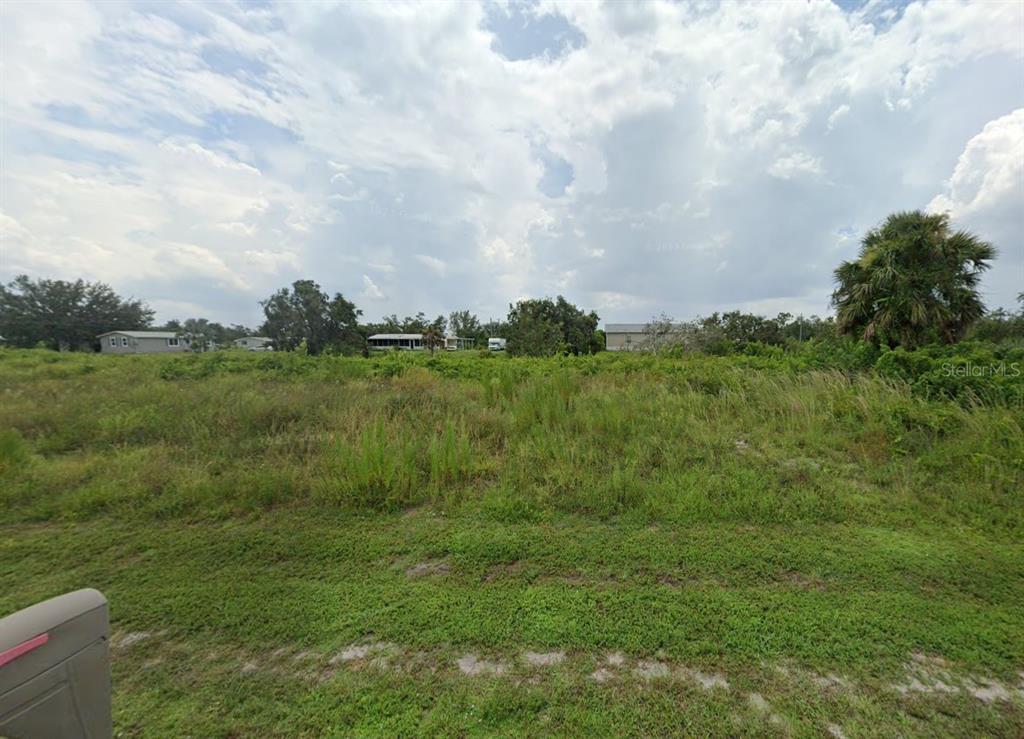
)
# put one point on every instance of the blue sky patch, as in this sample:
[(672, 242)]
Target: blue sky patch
[(522, 33)]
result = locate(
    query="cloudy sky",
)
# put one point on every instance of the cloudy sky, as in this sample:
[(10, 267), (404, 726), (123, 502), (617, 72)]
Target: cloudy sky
[(637, 158)]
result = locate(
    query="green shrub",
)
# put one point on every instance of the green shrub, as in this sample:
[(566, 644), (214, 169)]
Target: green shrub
[(14, 452)]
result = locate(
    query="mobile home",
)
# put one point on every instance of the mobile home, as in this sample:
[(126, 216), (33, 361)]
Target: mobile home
[(143, 342), (255, 343)]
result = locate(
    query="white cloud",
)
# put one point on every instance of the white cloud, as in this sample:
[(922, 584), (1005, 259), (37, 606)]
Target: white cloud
[(223, 150), (237, 228), (792, 165), (201, 262), (989, 172), (435, 265), (836, 115), (985, 194), (271, 261), (190, 149), (11, 230), (370, 290)]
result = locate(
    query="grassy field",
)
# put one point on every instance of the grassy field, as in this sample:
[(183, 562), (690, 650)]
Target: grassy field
[(466, 545)]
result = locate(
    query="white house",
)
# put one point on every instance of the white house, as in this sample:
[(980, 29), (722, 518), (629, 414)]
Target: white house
[(143, 342), (255, 343), (414, 342), (395, 341), (451, 343)]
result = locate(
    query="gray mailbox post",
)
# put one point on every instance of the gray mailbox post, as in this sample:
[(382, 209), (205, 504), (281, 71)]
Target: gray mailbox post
[(55, 669)]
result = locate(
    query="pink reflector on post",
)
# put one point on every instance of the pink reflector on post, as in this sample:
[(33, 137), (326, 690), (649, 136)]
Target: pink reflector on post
[(9, 655)]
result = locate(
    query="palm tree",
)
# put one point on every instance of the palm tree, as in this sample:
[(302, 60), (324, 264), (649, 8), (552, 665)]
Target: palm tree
[(432, 338), (914, 282)]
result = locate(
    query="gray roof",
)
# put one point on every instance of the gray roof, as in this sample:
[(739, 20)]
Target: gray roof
[(254, 338), (143, 334), (397, 336), (624, 328)]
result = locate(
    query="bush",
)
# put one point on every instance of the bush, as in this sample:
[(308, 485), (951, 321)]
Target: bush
[(969, 372)]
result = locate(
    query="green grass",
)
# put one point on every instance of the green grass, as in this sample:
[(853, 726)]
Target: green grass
[(250, 517)]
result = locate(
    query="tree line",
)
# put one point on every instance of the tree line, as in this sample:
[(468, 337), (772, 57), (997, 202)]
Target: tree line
[(915, 282), (68, 316), (305, 316)]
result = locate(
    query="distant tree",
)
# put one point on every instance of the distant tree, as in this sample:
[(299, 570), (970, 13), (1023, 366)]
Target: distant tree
[(388, 325), (915, 281), (409, 325), (494, 329), (544, 327), (727, 333), (414, 324), (805, 328), (577, 327), (661, 333), (237, 331), (532, 334), (737, 328), (204, 334), (304, 315), (999, 325), (465, 324), (65, 315)]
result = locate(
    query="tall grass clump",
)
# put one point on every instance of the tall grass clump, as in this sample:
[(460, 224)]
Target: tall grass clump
[(379, 469), (385, 467)]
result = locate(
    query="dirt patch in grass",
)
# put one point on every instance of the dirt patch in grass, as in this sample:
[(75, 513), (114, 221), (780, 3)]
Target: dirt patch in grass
[(802, 581), (601, 675), (758, 702), (429, 568), (670, 582), (651, 670), (126, 640), (773, 698), (708, 681), (933, 675), (544, 659), (830, 680), (503, 571), (761, 706), (360, 652), (990, 690), (925, 675), (835, 731), (471, 665)]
